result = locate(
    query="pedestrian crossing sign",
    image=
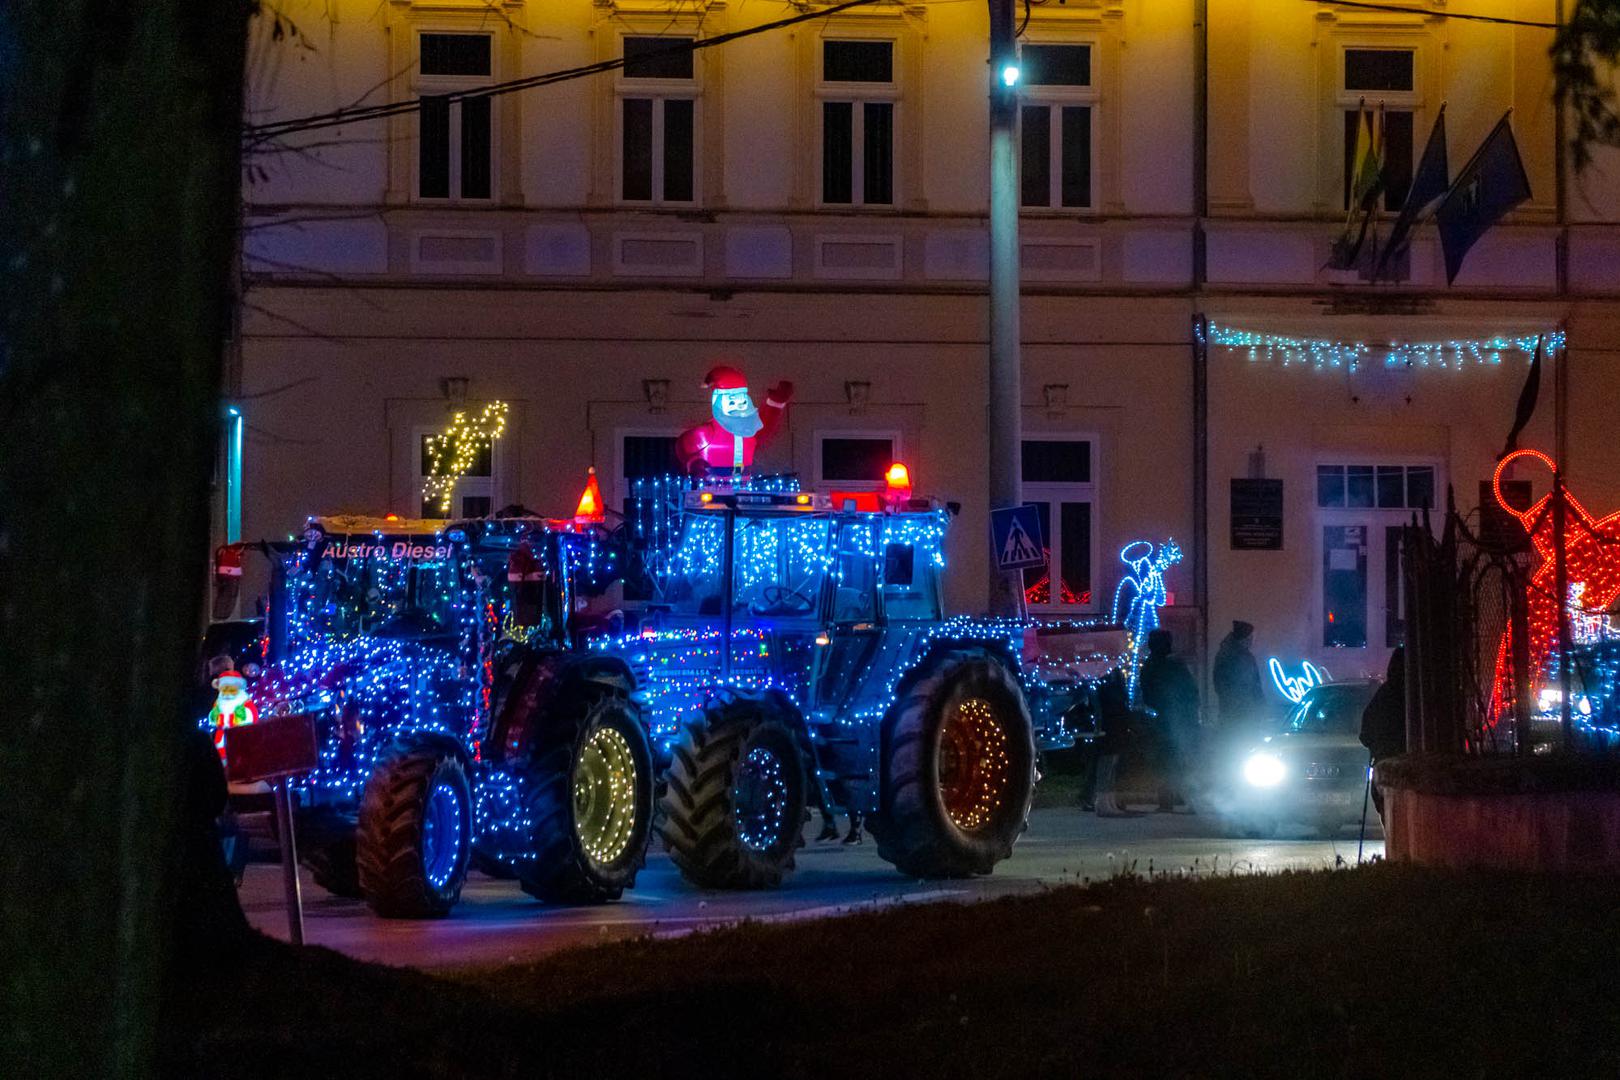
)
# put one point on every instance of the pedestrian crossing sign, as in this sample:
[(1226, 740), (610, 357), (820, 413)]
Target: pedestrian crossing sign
[(1016, 537)]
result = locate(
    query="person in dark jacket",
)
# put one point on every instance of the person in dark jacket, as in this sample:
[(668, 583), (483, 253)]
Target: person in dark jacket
[(1169, 689), (1383, 722), (1237, 678), (1113, 734)]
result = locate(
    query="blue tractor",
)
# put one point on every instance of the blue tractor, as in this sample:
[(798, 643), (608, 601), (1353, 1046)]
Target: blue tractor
[(795, 653), (457, 725)]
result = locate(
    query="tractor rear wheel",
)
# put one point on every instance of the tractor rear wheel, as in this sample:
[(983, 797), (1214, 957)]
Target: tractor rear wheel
[(414, 841), (958, 771), (590, 792), (735, 801)]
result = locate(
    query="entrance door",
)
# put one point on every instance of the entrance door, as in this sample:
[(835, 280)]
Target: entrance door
[(1361, 604)]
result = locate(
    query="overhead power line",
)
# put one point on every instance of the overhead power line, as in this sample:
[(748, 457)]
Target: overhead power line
[(1426, 13), (279, 128)]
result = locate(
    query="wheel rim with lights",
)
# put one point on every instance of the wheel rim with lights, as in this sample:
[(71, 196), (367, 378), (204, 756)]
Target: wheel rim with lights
[(441, 835), (605, 795), (974, 768), (761, 801)]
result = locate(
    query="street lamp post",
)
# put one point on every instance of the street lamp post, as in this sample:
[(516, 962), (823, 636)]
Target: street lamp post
[(1004, 365)]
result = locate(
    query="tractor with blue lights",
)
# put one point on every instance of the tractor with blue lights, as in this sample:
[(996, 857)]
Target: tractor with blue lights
[(794, 653), (457, 725)]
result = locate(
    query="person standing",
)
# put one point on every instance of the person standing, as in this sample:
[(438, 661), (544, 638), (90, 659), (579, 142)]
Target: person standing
[(1383, 722), (1113, 725), (1169, 689), (1237, 678)]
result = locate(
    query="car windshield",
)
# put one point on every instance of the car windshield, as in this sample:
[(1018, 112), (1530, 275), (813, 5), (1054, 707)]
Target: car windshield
[(397, 598), (1334, 709), (781, 562)]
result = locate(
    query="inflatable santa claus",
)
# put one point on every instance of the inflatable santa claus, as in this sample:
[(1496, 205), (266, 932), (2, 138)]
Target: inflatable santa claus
[(726, 443)]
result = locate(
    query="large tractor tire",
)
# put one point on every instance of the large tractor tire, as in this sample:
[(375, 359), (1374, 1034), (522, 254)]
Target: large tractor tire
[(590, 792), (958, 770), (735, 801), (414, 841)]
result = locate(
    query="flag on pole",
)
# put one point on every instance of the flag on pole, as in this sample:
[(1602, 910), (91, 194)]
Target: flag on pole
[(1492, 183), (1366, 184), (1527, 401), (1429, 183)]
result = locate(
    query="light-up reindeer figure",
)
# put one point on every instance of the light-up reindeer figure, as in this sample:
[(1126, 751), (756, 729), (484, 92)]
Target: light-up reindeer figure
[(1144, 586)]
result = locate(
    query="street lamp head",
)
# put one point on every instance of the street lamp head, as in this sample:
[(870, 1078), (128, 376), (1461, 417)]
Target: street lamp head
[(1009, 75)]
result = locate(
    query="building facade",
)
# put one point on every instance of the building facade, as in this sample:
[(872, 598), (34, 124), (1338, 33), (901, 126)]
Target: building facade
[(809, 204)]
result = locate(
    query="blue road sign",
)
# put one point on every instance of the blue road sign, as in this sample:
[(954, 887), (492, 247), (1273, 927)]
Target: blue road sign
[(1016, 540)]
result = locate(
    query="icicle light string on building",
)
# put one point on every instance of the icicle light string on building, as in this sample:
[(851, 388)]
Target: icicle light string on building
[(1324, 353)]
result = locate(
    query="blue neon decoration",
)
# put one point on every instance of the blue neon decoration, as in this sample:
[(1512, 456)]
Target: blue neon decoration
[(1295, 687), (1144, 588)]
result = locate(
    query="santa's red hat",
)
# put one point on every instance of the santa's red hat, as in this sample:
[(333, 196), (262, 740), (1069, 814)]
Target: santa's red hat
[(725, 378), (222, 676)]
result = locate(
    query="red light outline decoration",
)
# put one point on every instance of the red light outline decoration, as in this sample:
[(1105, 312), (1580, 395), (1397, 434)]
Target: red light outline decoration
[(1593, 573)]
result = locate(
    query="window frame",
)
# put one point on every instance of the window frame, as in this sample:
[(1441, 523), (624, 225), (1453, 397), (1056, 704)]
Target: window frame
[(1056, 493), (821, 435), (432, 85), (658, 91), (1347, 100), (1054, 98), (858, 94), (1374, 519), (621, 483)]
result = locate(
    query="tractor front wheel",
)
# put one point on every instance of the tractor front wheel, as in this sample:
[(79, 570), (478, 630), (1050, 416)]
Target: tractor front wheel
[(958, 772), (735, 801), (590, 790), (414, 842)]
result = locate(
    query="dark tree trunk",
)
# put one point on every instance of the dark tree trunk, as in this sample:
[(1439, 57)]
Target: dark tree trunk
[(119, 173)]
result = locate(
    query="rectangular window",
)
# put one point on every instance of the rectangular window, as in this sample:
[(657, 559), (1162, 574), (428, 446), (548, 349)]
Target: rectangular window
[(1386, 81), (650, 456), (856, 459), (1055, 126), (658, 58), (1057, 461), (1057, 480), (857, 61), (1056, 65), (1344, 586), (433, 149), (858, 133), (1376, 70), (1382, 487), (455, 54), (455, 136), (658, 154)]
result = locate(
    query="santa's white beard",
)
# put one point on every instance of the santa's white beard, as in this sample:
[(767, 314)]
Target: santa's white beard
[(743, 427)]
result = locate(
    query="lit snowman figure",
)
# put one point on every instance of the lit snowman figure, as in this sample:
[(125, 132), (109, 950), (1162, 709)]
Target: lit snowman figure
[(232, 707)]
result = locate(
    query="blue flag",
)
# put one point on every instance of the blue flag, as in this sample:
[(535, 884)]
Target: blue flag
[(1429, 183), (1492, 183)]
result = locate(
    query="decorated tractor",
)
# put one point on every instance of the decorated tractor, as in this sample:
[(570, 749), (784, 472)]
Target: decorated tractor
[(794, 653), (457, 727)]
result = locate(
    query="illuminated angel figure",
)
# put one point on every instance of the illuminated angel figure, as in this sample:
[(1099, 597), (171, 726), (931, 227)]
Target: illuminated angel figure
[(1141, 594)]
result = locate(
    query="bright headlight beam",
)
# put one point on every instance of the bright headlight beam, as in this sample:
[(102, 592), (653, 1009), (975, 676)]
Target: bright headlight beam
[(1264, 770)]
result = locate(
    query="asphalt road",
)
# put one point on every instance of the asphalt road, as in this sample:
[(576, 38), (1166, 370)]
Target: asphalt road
[(496, 923)]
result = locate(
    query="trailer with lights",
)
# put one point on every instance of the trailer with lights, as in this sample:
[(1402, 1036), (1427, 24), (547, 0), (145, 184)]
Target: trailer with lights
[(794, 652), (457, 725)]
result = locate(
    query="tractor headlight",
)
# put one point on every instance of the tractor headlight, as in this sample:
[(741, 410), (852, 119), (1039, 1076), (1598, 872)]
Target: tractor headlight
[(1264, 770)]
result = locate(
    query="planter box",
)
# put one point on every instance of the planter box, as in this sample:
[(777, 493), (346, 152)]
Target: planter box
[(1559, 815)]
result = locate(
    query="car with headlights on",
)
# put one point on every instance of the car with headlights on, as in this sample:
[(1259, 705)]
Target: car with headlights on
[(1311, 769)]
